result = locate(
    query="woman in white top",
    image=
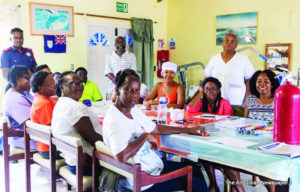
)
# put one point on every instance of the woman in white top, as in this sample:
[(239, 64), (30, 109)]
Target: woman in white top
[(74, 119), (130, 133)]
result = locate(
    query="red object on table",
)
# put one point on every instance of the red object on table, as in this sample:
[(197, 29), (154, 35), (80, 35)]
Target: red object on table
[(287, 114)]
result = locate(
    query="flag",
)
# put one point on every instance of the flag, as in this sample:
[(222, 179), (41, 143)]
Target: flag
[(55, 43)]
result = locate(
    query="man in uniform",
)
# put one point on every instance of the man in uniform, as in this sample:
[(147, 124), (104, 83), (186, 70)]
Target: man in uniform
[(16, 54)]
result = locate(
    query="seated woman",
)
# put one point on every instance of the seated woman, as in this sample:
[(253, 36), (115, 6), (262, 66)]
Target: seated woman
[(72, 118), (210, 101), (43, 84), (260, 104), (129, 133), (168, 88), (17, 103)]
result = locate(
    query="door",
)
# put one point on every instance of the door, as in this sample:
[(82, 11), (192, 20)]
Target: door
[(101, 39)]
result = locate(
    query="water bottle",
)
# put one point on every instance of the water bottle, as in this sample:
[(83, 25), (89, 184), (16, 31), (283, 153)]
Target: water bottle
[(162, 111)]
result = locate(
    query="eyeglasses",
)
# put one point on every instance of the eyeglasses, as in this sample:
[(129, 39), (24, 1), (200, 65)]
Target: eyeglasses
[(212, 89), (132, 91), (73, 84)]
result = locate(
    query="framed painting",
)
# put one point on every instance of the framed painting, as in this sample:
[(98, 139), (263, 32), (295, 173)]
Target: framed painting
[(279, 54), (243, 24), (48, 19)]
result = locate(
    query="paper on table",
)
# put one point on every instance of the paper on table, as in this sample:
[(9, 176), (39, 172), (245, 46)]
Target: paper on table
[(233, 141), (211, 116), (281, 149)]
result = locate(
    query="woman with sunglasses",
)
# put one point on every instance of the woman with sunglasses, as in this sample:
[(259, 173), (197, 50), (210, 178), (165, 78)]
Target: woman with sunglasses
[(72, 118), (17, 103), (43, 85), (208, 99)]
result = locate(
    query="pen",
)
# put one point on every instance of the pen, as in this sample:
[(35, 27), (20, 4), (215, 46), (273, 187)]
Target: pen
[(208, 116), (270, 146)]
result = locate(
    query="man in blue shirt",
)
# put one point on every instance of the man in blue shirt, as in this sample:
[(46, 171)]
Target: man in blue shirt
[(16, 54)]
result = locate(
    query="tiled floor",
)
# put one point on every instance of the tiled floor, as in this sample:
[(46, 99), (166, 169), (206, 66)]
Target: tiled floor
[(39, 184)]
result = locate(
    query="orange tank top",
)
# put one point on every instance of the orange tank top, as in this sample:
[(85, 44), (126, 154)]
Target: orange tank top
[(172, 96)]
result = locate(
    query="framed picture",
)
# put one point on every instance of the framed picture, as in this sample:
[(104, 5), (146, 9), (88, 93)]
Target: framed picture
[(48, 19), (243, 24), (279, 54)]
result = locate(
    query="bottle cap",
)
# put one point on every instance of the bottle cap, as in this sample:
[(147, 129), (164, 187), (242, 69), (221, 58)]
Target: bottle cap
[(87, 102)]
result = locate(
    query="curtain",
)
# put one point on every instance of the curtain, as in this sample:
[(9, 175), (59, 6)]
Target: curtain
[(143, 48)]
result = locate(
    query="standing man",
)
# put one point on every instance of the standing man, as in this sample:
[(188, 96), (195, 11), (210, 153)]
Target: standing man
[(118, 60), (16, 54), (233, 70)]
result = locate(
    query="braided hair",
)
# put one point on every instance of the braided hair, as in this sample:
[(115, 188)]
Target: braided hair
[(61, 81), (37, 80), (216, 106), (121, 76)]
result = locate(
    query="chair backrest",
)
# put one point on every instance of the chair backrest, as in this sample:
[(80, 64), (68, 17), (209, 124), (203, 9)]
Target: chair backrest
[(4, 119), (101, 147), (72, 146), (133, 171), (38, 132), (67, 144)]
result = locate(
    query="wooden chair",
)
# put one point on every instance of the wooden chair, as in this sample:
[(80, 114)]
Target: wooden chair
[(133, 171), (8, 153), (41, 133), (72, 146)]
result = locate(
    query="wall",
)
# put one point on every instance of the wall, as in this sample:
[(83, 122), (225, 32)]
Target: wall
[(193, 24), (77, 46)]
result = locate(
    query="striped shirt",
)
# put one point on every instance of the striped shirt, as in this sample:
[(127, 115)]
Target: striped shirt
[(115, 63)]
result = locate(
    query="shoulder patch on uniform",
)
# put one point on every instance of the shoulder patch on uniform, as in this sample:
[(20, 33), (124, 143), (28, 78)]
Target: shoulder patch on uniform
[(27, 48), (8, 49)]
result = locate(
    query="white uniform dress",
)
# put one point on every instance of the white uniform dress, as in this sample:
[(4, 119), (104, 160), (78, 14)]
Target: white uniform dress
[(115, 63), (118, 131), (232, 75)]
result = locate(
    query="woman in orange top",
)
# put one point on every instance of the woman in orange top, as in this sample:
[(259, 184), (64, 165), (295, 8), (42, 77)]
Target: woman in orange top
[(41, 111), (168, 88)]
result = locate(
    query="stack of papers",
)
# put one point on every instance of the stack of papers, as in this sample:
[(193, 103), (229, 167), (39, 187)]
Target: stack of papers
[(281, 149), (240, 122)]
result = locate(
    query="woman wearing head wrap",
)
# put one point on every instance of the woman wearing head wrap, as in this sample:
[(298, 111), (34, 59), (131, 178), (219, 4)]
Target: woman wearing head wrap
[(168, 88)]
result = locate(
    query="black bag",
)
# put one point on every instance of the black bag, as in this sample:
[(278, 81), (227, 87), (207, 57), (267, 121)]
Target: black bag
[(112, 182)]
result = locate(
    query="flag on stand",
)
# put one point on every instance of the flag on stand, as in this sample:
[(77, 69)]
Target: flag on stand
[(55, 43)]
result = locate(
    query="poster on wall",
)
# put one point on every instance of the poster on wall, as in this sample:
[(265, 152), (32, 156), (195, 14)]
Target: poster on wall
[(279, 54), (48, 19), (172, 43), (243, 24), (161, 43)]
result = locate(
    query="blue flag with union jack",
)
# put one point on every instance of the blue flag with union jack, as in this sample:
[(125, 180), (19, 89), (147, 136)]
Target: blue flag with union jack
[(55, 43)]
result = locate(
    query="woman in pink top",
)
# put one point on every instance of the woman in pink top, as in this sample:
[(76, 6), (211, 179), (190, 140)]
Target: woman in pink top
[(211, 101), (208, 99)]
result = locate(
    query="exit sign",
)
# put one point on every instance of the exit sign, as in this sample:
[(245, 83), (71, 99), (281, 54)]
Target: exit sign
[(122, 7)]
